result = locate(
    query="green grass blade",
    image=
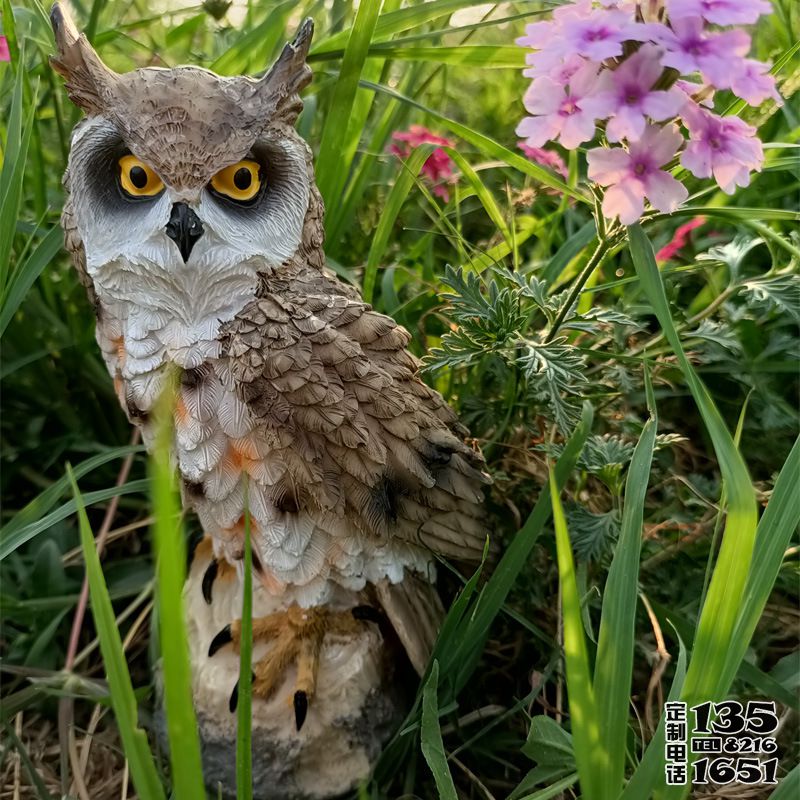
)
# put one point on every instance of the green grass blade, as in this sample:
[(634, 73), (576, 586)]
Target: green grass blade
[(394, 202), (789, 787), (773, 535), (11, 542), (25, 275), (431, 737), (488, 146), (484, 195), (43, 502), (484, 56), (12, 174), (134, 739), (554, 790), (590, 752), (170, 553), (402, 19), (715, 633), (651, 768), (616, 640), (467, 645), (244, 717), (33, 773), (331, 173)]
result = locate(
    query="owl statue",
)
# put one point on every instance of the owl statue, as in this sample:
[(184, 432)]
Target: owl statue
[(194, 223)]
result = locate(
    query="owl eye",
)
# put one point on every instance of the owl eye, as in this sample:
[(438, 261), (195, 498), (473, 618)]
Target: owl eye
[(137, 179), (240, 181)]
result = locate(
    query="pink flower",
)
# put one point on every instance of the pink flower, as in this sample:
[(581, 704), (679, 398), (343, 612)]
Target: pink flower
[(679, 240), (547, 158), (5, 53), (439, 166), (626, 96), (753, 83), (719, 12), (697, 92), (726, 147), (598, 35), (557, 110), (690, 48), (635, 174)]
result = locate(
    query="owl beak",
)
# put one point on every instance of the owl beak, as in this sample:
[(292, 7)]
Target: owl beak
[(184, 228)]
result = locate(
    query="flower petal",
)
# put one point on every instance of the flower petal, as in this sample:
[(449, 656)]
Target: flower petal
[(624, 200), (607, 165), (664, 192)]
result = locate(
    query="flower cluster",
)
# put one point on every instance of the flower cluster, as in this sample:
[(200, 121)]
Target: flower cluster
[(646, 71), (438, 168)]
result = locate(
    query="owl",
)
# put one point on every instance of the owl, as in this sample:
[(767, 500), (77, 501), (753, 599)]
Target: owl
[(194, 223)]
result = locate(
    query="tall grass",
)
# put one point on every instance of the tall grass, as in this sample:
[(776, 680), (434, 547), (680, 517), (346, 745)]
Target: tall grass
[(380, 67)]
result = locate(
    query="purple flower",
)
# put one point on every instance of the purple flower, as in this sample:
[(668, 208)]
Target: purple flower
[(690, 48), (5, 53), (557, 110), (719, 12), (726, 147), (597, 36), (753, 83), (626, 96), (634, 174)]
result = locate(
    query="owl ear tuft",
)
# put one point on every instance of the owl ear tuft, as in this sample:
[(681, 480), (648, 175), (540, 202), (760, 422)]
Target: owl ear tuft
[(280, 87), (90, 83)]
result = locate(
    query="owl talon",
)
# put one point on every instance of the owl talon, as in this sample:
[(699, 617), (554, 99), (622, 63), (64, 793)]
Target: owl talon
[(300, 703), (209, 577), (225, 636), (296, 637)]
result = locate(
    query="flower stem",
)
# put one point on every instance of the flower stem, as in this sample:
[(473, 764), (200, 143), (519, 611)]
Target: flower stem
[(592, 264)]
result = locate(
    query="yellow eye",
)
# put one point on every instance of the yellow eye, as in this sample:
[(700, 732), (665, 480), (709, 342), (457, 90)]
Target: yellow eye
[(137, 179), (240, 181)]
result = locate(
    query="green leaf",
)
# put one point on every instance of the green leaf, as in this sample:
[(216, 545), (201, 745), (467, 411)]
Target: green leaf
[(431, 737), (488, 145), (617, 637), (789, 787), (170, 552), (590, 750), (41, 504), (25, 275), (394, 202), (549, 744), (715, 637), (134, 739), (244, 716), (331, 174), (9, 543)]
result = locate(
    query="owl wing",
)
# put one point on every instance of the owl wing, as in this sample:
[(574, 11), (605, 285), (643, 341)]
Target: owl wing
[(362, 436)]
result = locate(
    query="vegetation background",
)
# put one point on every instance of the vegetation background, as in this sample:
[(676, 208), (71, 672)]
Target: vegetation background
[(668, 577)]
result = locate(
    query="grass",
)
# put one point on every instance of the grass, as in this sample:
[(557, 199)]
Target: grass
[(552, 664)]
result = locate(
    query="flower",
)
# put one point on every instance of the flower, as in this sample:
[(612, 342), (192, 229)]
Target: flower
[(625, 96), (5, 53), (557, 110), (547, 158), (726, 147), (679, 240), (438, 167), (690, 48), (753, 83), (616, 61), (598, 35), (719, 12), (635, 174)]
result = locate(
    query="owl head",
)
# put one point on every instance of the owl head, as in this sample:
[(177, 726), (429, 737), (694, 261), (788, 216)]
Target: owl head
[(181, 170)]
